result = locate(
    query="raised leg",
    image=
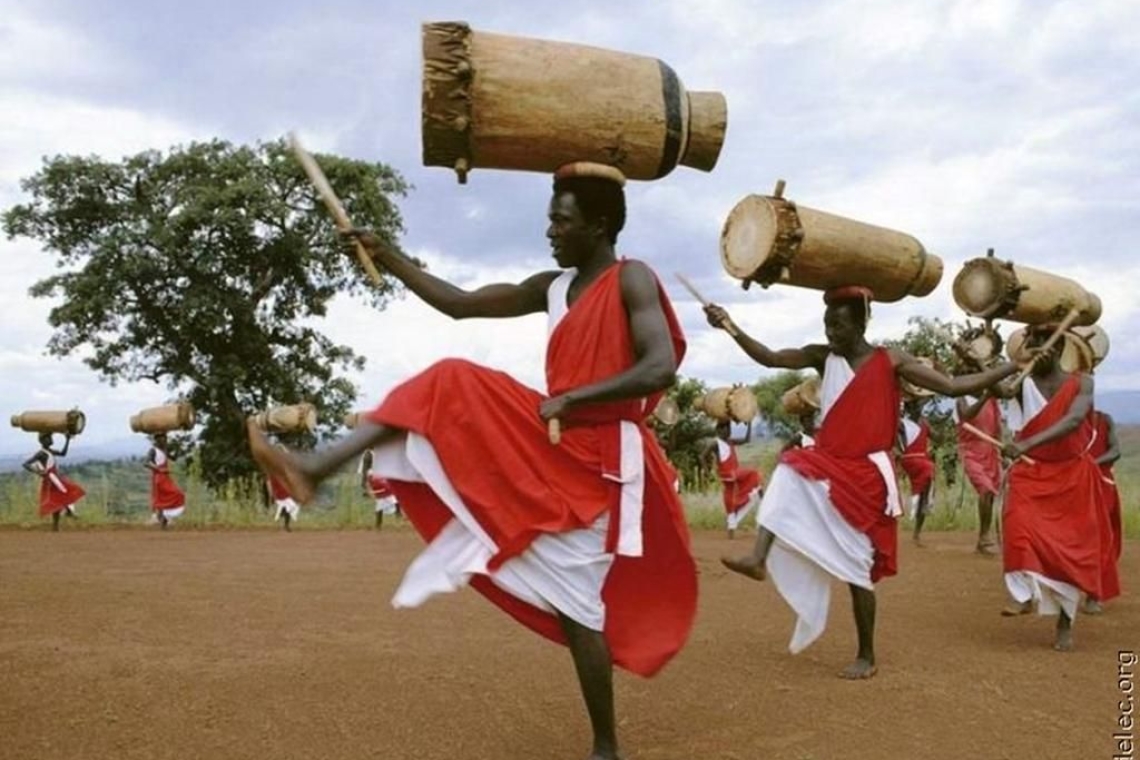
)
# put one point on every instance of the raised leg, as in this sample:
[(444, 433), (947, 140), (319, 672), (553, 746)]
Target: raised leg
[(752, 565), (863, 605), (596, 677)]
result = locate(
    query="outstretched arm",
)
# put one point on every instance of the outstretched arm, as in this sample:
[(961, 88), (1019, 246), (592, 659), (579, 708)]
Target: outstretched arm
[(1078, 410), (655, 362), (909, 368), (1113, 452), (813, 356), (498, 300)]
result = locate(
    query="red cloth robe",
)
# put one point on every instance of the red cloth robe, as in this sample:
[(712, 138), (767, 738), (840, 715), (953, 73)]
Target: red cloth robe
[(52, 499), (916, 461), (863, 420), (278, 490), (494, 447), (981, 460), (1110, 500), (1053, 522), (164, 492), (737, 482), (378, 487)]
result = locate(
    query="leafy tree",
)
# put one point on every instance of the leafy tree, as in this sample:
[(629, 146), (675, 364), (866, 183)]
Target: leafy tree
[(769, 398), (206, 269), (681, 441)]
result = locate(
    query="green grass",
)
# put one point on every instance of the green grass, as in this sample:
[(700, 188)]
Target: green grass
[(118, 495)]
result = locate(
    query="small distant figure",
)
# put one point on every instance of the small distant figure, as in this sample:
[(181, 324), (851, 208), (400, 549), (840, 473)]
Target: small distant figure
[(167, 501), (58, 495), (917, 463), (742, 486), (376, 487), (288, 509), (805, 438)]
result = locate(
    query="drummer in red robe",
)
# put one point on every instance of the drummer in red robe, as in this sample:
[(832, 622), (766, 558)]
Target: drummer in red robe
[(584, 541), (981, 460), (166, 499), (917, 462), (377, 489), (1105, 451), (830, 510), (741, 487), (58, 494), (1055, 529)]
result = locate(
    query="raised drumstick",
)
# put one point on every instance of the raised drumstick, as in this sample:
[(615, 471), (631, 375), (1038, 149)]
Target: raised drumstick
[(324, 189), (729, 327), (994, 441)]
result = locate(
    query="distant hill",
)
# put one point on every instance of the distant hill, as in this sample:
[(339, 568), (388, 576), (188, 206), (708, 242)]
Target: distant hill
[(106, 451)]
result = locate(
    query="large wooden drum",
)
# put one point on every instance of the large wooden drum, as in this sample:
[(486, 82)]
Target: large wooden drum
[(767, 239), (737, 403), (1096, 339), (992, 288), (163, 419), (69, 423), (803, 398), (502, 102), (667, 412), (288, 419), (1076, 353)]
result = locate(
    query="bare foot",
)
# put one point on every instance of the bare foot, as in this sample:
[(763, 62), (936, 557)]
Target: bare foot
[(1092, 607), (747, 566), (859, 670), (986, 547), (1064, 640), (1015, 609), (282, 465)]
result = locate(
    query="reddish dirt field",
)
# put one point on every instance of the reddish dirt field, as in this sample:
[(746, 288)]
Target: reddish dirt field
[(262, 645)]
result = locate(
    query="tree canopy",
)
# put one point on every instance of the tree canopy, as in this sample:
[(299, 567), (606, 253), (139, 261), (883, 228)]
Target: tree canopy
[(206, 269)]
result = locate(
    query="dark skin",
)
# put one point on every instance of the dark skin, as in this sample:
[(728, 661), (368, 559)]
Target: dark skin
[(846, 337), (967, 411), (578, 243), (724, 433), (1048, 377), (37, 463), (365, 468)]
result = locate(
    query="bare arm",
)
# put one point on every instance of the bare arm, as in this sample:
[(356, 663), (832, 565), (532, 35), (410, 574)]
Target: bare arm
[(812, 356), (914, 371), (365, 471), (655, 362), (150, 461), (66, 446), (968, 410), (1078, 410), (1113, 452), (497, 300), (39, 458)]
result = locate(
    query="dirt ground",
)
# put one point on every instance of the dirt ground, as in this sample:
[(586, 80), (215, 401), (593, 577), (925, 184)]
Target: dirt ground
[(271, 646)]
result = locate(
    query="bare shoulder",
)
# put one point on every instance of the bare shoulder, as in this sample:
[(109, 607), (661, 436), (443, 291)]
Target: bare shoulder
[(898, 356), (1087, 384), (638, 283)]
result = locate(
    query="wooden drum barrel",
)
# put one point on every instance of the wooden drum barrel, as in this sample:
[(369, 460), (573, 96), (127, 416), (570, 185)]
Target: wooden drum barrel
[(163, 419), (802, 399), (287, 419), (70, 422), (767, 239), (991, 288), (667, 411), (737, 403), (502, 102), (1096, 339)]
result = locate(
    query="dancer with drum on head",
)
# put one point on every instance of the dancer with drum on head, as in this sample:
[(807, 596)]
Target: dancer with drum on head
[(58, 494), (916, 461), (167, 501)]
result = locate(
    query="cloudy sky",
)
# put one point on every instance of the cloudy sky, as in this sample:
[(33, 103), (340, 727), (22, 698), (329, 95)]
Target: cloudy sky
[(966, 123)]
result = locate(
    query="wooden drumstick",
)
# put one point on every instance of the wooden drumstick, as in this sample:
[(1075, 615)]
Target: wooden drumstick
[(332, 203), (994, 441), (729, 327), (1044, 348), (554, 430)]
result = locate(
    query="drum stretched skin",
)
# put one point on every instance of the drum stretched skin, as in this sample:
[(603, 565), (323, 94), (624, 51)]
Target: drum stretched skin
[(737, 403), (993, 288), (163, 419), (70, 422), (504, 102), (802, 399), (768, 239)]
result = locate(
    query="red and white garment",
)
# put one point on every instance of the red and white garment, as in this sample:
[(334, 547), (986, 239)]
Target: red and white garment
[(283, 500), (57, 492), (1053, 528), (379, 490), (834, 506), (165, 495), (981, 460), (740, 486), (916, 461), (590, 528)]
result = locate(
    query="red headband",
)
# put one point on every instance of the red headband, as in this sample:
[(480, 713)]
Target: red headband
[(848, 293)]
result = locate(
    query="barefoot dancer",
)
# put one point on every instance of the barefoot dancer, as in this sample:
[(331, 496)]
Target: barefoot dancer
[(741, 487), (166, 499), (1053, 525), (917, 463), (1105, 451), (981, 460), (831, 509), (377, 488), (546, 531), (58, 495)]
